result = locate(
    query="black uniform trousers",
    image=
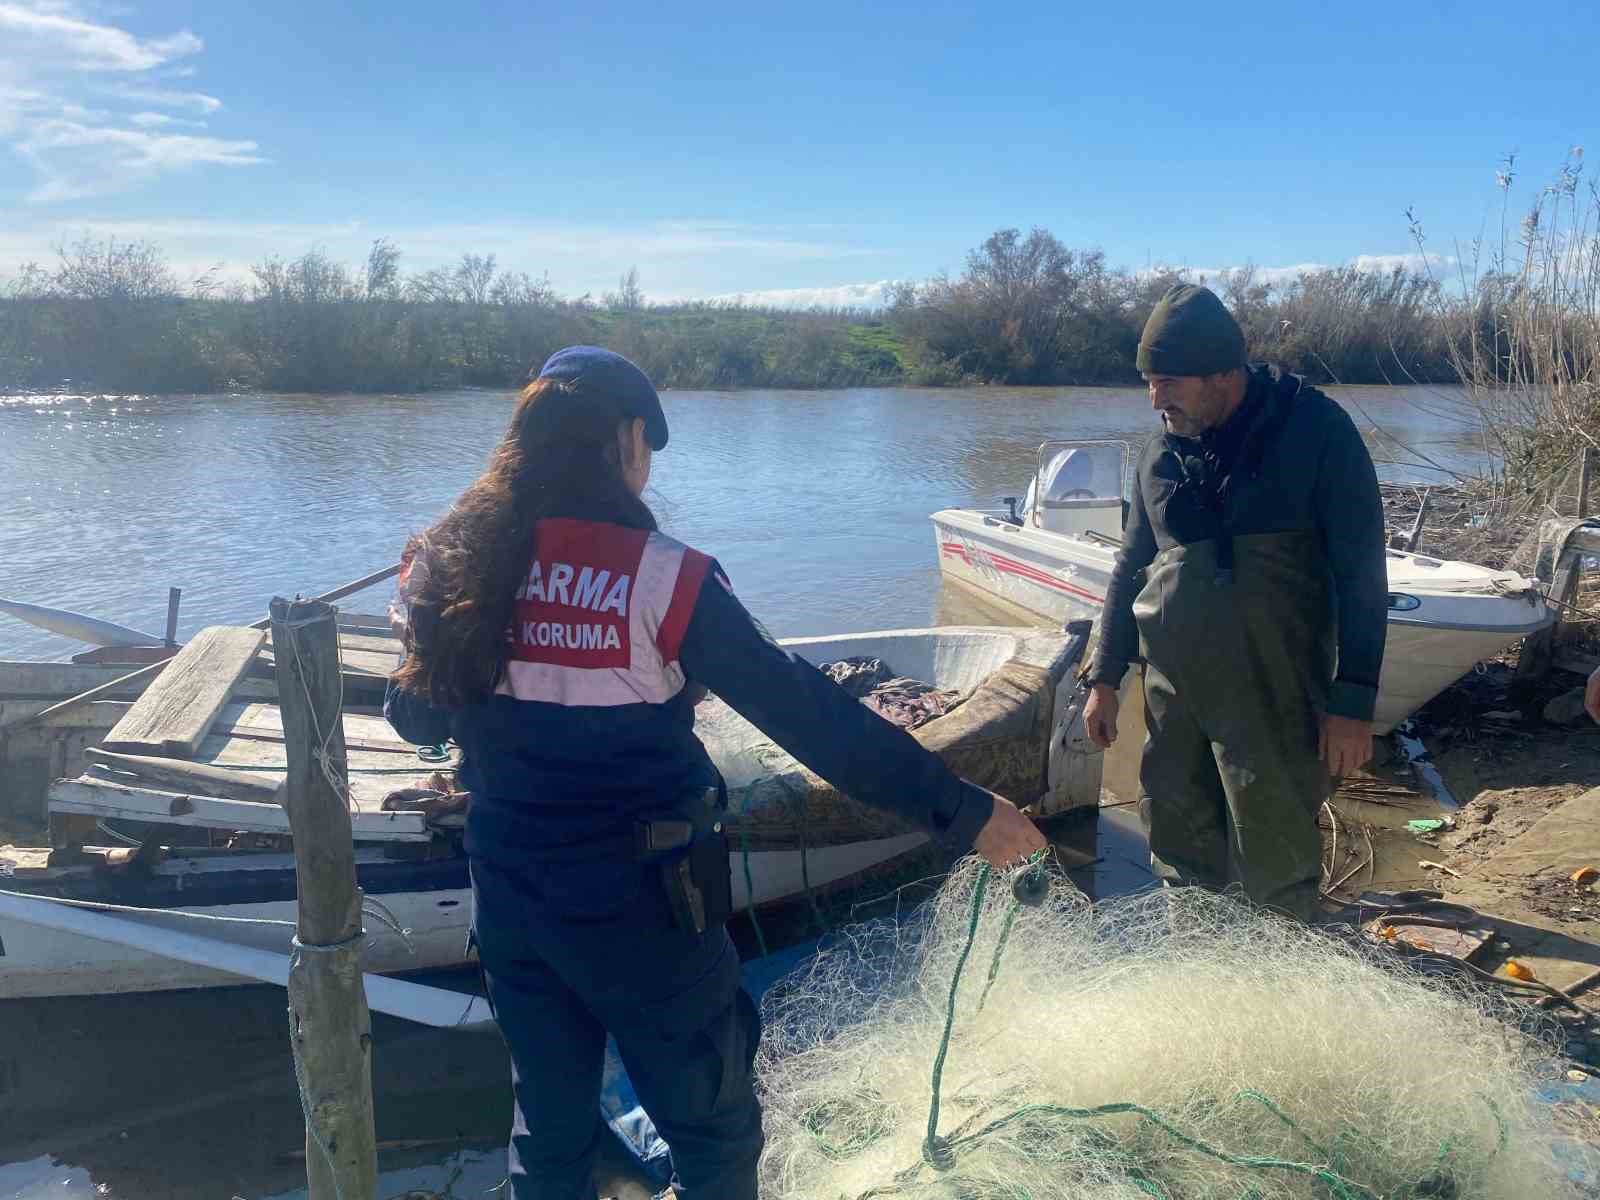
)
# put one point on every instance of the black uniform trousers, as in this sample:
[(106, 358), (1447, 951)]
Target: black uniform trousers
[(685, 1029)]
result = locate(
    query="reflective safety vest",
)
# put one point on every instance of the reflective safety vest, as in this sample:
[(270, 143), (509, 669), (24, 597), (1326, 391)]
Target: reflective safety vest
[(600, 618)]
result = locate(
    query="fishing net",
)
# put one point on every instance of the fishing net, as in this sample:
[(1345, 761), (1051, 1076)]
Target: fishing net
[(1174, 1044)]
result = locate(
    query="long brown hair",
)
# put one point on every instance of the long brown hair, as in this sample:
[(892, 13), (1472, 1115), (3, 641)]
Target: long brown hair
[(560, 457)]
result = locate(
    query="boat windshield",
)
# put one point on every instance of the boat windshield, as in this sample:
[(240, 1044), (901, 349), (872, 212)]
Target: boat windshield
[(1075, 477)]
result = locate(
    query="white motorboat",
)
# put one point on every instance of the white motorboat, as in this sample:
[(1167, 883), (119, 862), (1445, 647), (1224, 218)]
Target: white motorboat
[(1053, 558), (127, 929)]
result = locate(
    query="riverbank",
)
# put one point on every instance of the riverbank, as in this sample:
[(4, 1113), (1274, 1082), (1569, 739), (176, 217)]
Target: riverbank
[(116, 318)]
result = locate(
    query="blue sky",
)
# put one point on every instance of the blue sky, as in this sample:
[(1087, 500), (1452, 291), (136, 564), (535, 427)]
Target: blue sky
[(815, 150)]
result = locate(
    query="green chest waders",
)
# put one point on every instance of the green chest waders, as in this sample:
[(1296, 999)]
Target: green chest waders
[(1238, 670)]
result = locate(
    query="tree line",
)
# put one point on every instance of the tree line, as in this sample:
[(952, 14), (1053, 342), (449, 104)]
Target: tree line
[(1026, 309)]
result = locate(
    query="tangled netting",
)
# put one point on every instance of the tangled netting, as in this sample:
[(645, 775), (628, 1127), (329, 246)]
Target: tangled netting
[(1175, 1044)]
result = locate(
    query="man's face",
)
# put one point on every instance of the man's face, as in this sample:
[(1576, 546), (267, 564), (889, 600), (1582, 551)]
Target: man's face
[(1189, 404)]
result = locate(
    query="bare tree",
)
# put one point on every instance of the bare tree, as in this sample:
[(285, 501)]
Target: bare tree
[(437, 286), (92, 270), (32, 282), (474, 278), (382, 280), (516, 289), (628, 297)]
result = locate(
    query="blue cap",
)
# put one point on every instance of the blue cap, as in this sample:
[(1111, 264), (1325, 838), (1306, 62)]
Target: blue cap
[(599, 374)]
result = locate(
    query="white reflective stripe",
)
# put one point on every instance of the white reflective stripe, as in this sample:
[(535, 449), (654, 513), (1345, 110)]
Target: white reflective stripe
[(652, 595), (648, 680), (579, 687)]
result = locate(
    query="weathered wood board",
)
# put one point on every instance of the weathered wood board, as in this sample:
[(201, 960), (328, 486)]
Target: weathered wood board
[(361, 654), (176, 711), (252, 719), (373, 774), (99, 797), (209, 779)]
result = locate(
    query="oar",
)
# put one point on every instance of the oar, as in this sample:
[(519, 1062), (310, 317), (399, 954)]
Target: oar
[(155, 668), (78, 626)]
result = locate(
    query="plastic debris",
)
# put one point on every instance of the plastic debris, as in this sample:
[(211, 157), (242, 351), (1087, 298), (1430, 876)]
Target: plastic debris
[(1585, 875), (1518, 970)]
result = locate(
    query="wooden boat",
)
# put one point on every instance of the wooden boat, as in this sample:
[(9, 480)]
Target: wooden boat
[(32, 754), (212, 840)]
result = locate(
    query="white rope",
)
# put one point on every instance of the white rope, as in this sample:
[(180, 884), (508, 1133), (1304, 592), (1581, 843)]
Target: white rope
[(340, 786), (329, 947)]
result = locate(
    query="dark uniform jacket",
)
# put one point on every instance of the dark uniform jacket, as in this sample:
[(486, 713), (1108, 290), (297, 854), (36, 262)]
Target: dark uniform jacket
[(592, 726), (1289, 460)]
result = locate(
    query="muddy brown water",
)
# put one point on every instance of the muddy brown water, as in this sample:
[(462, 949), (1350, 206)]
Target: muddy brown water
[(817, 505)]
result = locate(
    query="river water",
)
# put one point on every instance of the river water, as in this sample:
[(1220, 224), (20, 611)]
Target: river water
[(816, 504)]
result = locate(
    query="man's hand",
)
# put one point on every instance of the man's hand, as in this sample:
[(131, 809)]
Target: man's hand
[(1008, 837), (1100, 715), (1346, 744), (1591, 695)]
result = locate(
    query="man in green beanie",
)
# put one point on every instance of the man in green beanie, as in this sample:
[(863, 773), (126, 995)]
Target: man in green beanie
[(1252, 583)]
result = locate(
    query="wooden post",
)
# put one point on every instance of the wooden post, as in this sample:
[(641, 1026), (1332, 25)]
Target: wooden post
[(173, 596), (330, 1029), (1415, 539), (1585, 473)]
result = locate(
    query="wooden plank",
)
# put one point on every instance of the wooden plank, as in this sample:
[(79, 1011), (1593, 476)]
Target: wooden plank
[(97, 714), (53, 681), (382, 643), (363, 623), (263, 735), (190, 776), (374, 664), (261, 754), (365, 641), (176, 711), (100, 798), (245, 719)]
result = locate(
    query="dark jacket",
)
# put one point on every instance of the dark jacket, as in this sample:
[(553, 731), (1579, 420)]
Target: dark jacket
[(574, 765), (1290, 459)]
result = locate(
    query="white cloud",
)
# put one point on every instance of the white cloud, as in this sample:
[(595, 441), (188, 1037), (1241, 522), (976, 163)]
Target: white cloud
[(679, 259), (155, 120), (1282, 276), (843, 295), (61, 36), (72, 83), (84, 160), (167, 98)]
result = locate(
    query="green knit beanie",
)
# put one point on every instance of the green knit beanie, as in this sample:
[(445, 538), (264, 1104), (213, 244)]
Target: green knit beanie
[(1190, 333)]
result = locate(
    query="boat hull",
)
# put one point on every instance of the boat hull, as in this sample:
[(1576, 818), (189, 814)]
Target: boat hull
[(38, 961), (1018, 731), (1462, 614)]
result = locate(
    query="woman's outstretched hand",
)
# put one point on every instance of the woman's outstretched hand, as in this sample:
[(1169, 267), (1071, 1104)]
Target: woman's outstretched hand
[(1008, 837)]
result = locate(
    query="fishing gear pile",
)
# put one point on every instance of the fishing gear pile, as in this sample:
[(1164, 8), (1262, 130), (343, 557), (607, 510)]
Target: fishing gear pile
[(1176, 1045)]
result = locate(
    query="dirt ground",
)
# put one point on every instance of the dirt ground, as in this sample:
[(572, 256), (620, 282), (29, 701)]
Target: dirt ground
[(1505, 763)]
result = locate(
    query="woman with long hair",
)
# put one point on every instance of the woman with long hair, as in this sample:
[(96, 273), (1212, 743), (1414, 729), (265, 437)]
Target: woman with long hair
[(562, 642)]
